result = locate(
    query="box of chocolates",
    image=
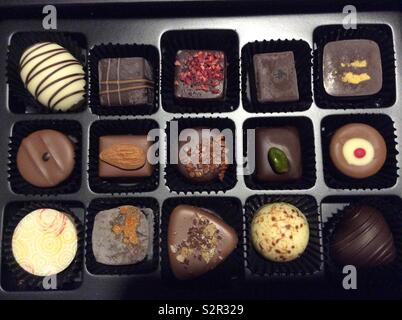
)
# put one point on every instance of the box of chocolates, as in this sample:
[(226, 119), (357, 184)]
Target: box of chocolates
[(165, 155)]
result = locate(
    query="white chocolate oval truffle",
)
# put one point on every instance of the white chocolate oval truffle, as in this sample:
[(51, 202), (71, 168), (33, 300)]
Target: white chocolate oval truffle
[(53, 76), (280, 232), (44, 242)]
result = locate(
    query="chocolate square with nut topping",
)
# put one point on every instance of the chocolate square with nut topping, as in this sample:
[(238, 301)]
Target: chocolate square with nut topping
[(287, 141), (113, 170), (200, 74)]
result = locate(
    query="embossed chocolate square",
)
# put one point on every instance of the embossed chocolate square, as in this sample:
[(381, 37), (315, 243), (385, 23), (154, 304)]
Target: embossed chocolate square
[(275, 77), (125, 82), (352, 68), (124, 156)]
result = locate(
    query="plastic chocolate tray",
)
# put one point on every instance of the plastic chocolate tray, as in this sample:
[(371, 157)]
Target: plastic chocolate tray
[(96, 29)]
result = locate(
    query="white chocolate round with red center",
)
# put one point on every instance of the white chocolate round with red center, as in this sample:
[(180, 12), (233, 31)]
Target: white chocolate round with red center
[(358, 150), (44, 242), (349, 152)]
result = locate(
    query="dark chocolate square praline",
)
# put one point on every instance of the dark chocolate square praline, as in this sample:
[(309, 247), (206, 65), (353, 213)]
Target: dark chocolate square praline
[(276, 76)]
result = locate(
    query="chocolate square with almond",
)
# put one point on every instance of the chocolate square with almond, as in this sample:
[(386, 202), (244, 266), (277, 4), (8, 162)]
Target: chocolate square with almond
[(124, 156), (278, 154), (352, 68), (200, 74)]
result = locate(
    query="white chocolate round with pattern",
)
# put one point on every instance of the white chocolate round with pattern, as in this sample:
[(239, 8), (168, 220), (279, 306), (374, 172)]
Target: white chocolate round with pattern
[(53, 76), (280, 232), (44, 242)]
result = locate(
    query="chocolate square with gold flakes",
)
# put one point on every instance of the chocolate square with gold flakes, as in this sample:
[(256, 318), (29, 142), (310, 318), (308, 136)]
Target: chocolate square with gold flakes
[(125, 82), (352, 68)]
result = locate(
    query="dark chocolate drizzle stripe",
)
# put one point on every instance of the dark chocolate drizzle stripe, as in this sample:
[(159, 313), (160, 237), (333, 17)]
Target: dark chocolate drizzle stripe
[(67, 96), (46, 68), (38, 93), (30, 77), (30, 52), (49, 103), (41, 54), (126, 89)]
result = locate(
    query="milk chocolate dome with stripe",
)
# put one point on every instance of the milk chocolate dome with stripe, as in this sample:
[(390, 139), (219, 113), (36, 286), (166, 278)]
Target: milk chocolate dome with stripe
[(53, 76), (363, 238)]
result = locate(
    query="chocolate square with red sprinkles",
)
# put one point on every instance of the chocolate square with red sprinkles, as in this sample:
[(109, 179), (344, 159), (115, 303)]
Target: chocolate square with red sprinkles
[(200, 74)]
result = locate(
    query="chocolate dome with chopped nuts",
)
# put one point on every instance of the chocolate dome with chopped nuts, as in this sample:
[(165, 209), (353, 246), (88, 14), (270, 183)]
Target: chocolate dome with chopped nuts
[(203, 160)]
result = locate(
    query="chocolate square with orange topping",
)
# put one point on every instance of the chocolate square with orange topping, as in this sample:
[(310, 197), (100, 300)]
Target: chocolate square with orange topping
[(120, 236)]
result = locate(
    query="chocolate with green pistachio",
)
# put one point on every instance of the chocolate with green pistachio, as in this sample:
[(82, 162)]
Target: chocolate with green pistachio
[(278, 160), (278, 154)]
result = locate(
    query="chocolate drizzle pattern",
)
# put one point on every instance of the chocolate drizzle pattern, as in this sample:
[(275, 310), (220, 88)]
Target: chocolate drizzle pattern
[(53, 76), (125, 82)]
